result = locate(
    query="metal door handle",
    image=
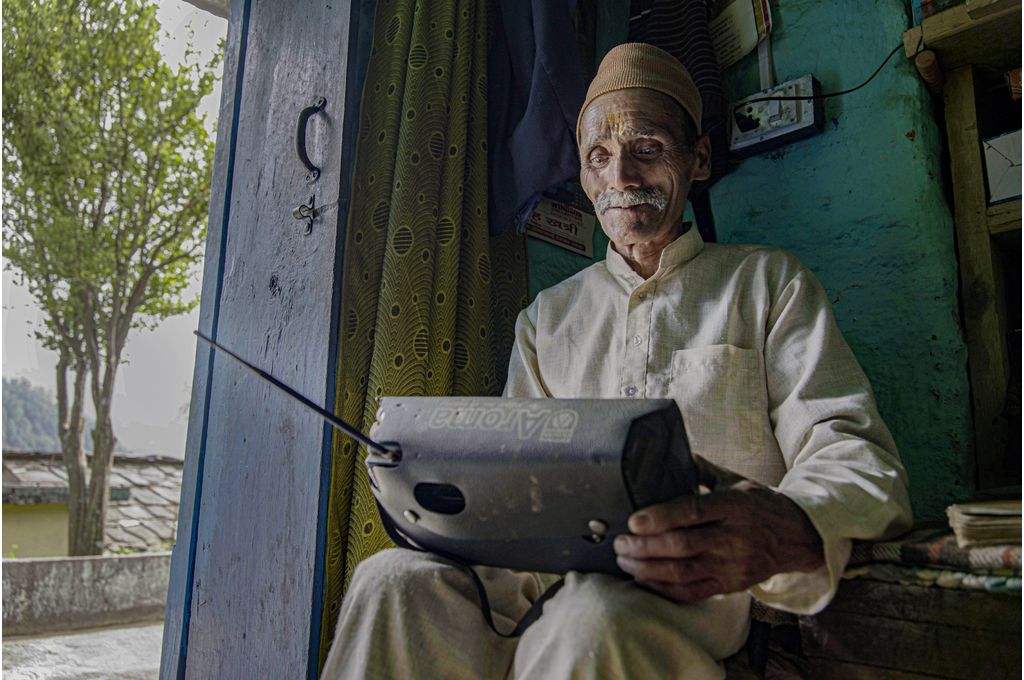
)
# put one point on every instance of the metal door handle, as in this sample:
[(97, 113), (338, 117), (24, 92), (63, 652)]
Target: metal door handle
[(300, 138)]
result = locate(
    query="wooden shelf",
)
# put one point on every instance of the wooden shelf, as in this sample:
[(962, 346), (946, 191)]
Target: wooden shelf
[(976, 36), (980, 33), (1004, 217), (982, 297)]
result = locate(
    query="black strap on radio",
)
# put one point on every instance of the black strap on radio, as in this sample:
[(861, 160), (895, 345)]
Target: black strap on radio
[(531, 615)]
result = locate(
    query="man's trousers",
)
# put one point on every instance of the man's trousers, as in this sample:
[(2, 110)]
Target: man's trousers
[(413, 615)]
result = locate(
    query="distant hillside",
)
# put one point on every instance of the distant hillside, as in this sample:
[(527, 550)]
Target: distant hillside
[(30, 418)]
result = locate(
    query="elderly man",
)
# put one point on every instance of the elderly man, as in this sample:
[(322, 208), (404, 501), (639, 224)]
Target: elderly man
[(783, 418)]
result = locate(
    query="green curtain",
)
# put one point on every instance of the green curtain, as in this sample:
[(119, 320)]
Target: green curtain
[(429, 299)]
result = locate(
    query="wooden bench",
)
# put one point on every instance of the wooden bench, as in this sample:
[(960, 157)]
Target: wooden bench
[(875, 629)]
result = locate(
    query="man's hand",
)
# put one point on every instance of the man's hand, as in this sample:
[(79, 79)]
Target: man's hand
[(725, 541)]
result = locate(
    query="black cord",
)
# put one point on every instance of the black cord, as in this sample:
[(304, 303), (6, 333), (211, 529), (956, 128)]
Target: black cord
[(828, 94)]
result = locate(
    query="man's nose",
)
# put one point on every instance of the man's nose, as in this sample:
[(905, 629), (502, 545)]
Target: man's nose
[(623, 173)]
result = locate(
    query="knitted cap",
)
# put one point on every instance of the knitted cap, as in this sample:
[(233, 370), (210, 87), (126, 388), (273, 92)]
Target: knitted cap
[(642, 65)]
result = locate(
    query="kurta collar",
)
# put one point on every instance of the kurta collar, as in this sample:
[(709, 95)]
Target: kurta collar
[(687, 246)]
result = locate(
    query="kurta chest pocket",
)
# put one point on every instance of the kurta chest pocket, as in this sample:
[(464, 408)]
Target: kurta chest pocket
[(721, 392)]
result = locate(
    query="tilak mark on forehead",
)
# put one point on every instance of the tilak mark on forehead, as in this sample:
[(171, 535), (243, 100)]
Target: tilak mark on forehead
[(617, 124), (614, 122)]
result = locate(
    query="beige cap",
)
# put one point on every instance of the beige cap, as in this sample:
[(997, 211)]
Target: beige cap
[(642, 65)]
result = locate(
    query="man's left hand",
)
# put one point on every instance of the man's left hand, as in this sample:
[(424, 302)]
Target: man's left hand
[(725, 541)]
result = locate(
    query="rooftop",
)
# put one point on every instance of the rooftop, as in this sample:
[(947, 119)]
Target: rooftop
[(144, 494)]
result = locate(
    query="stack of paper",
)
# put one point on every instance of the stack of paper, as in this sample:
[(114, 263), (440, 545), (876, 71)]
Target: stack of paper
[(986, 523)]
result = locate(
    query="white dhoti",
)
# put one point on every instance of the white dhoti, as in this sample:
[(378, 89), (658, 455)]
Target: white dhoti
[(412, 615)]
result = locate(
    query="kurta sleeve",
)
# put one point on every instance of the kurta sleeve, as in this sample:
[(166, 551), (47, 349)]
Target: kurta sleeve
[(843, 467), (524, 379)]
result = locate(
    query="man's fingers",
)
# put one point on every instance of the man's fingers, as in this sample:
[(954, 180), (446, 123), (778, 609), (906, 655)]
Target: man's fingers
[(687, 542), (666, 571), (682, 512), (686, 593), (714, 476)]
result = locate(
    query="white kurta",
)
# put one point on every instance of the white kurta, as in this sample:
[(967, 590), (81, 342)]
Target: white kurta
[(744, 340)]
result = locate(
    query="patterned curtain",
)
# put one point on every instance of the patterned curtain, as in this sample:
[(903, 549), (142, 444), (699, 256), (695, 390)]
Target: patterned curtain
[(429, 299)]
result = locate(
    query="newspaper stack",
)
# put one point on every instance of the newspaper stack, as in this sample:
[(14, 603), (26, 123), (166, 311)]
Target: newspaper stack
[(986, 523)]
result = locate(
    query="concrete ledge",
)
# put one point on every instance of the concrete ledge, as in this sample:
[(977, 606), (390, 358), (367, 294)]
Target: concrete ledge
[(67, 593)]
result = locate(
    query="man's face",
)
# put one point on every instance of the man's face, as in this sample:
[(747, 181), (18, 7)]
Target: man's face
[(636, 165)]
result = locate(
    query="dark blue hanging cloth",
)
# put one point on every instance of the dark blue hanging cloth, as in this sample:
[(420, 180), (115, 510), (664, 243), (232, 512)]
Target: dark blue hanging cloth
[(681, 28), (535, 88)]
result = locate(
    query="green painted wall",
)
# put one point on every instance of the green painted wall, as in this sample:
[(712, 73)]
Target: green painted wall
[(37, 530), (861, 205)]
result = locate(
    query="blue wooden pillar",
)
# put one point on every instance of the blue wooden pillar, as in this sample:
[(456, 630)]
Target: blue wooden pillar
[(245, 593)]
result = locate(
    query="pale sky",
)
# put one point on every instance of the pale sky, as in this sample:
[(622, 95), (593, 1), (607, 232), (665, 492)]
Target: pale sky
[(154, 387)]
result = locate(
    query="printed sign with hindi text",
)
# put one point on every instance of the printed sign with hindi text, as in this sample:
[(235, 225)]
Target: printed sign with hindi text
[(563, 225)]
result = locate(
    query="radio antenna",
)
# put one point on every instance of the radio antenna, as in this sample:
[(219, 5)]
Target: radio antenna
[(308, 403)]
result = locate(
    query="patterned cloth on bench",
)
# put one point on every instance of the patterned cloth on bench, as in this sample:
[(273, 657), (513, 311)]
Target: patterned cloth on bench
[(929, 556)]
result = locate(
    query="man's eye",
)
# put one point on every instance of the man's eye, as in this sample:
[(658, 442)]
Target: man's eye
[(648, 151), (598, 159)]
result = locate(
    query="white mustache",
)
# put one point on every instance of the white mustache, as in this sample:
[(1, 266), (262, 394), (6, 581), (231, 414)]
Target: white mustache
[(613, 198)]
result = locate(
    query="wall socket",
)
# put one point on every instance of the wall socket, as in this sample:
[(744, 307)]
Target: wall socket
[(761, 126)]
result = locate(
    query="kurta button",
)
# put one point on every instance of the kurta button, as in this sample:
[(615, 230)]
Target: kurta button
[(637, 340), (631, 391), (641, 297)]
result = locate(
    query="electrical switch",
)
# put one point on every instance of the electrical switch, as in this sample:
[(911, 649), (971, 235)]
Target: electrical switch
[(777, 116)]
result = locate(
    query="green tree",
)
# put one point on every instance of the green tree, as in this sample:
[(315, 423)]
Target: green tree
[(106, 189)]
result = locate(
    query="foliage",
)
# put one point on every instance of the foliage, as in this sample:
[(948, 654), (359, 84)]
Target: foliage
[(106, 181), (30, 418), (106, 188)]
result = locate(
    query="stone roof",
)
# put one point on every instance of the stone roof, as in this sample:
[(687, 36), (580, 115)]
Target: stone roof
[(215, 7), (143, 510)]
